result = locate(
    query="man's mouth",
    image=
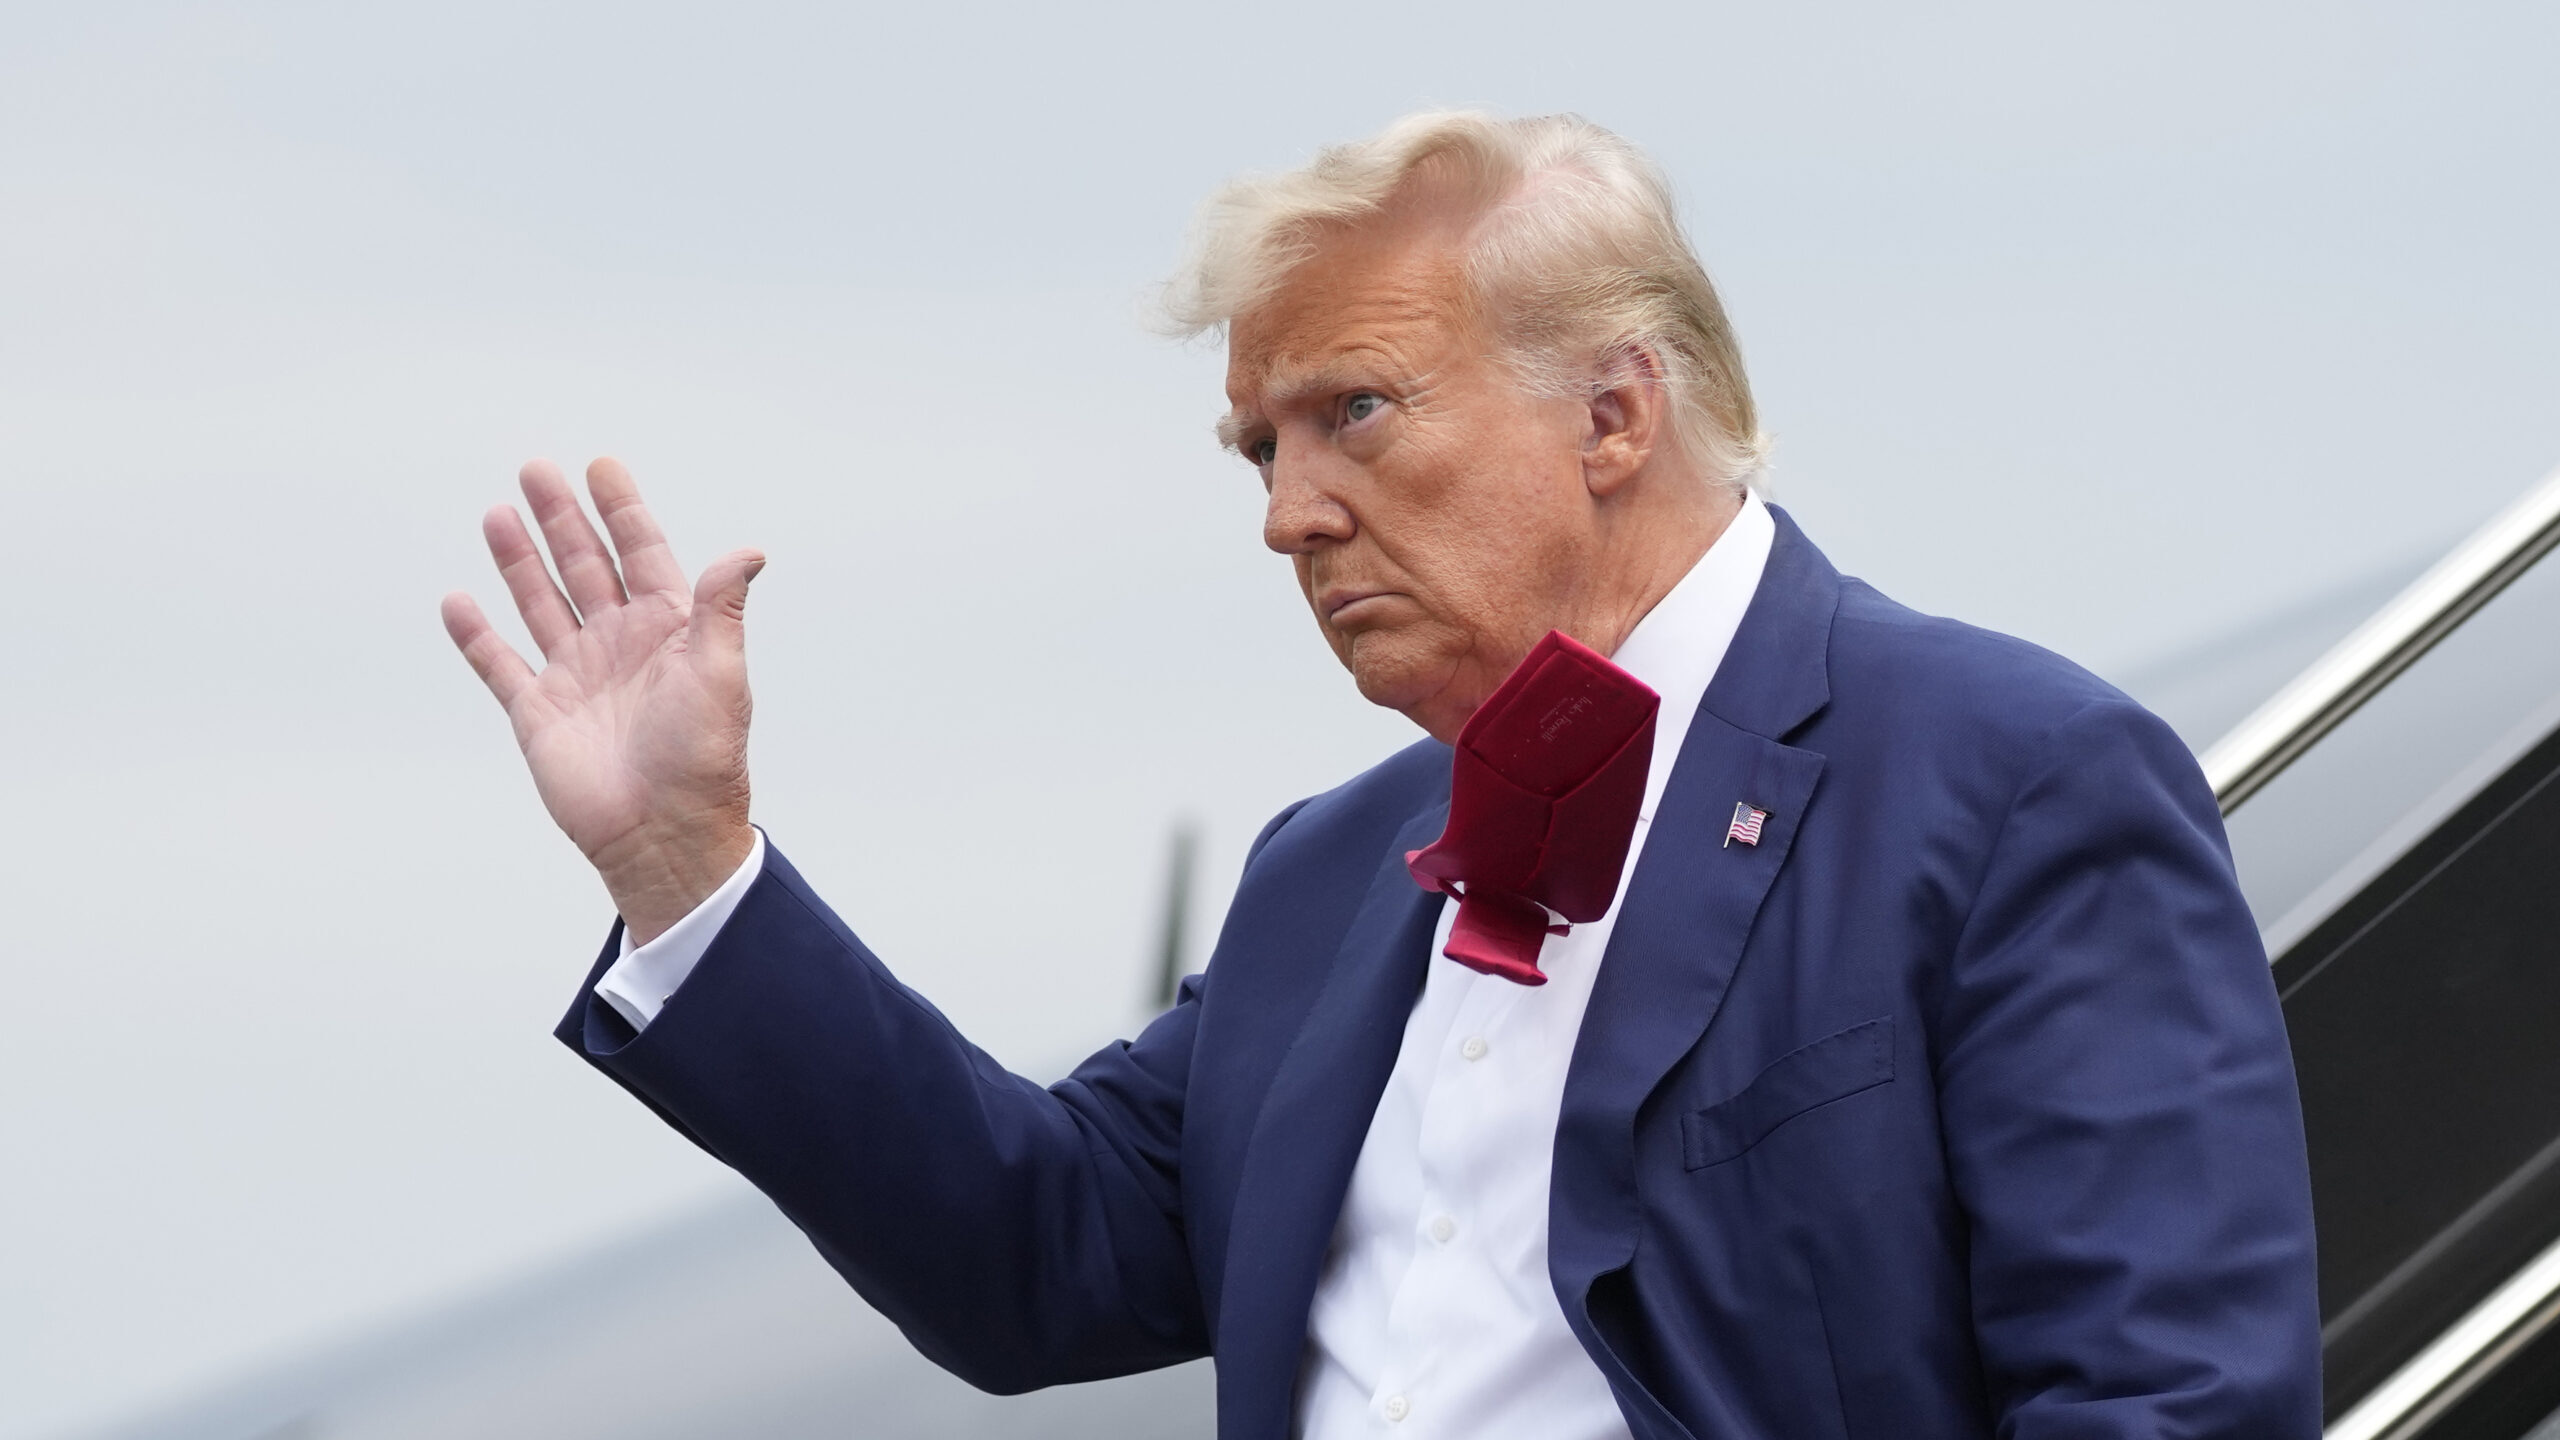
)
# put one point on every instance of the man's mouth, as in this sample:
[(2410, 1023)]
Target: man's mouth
[(1348, 605)]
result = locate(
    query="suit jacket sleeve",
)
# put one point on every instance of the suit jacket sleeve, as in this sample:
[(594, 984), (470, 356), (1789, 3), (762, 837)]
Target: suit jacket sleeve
[(1020, 1236), (2120, 1112)]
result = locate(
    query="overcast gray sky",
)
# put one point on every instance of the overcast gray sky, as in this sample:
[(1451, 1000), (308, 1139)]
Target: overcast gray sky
[(2107, 328)]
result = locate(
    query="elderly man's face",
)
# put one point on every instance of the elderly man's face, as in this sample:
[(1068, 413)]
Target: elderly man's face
[(1438, 517)]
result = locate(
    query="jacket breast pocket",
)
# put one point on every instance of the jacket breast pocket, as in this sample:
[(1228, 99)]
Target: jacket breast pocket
[(1831, 1068)]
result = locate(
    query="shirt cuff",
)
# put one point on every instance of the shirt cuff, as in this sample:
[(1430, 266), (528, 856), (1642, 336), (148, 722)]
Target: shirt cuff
[(639, 983)]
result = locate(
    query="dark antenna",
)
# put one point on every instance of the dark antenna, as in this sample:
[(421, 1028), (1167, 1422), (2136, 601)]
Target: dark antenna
[(1177, 913)]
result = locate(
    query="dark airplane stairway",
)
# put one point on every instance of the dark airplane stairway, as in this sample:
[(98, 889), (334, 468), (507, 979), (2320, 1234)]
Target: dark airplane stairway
[(2425, 1015), (2421, 986)]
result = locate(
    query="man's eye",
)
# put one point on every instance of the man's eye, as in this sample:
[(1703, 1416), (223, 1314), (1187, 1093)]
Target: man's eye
[(1363, 405), (1264, 451)]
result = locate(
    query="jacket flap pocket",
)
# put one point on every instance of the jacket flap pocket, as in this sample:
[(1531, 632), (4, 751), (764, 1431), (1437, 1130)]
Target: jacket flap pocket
[(1831, 1068)]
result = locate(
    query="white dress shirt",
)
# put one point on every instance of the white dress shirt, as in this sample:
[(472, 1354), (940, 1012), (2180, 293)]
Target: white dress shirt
[(1435, 1317)]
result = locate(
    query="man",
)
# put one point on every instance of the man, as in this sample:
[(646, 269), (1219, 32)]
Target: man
[(1923, 1077)]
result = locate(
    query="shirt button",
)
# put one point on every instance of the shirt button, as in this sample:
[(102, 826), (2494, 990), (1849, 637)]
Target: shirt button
[(1474, 1048), (1442, 1227), (1398, 1407)]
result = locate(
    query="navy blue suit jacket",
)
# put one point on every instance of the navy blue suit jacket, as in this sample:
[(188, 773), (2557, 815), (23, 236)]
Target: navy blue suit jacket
[(1958, 1107)]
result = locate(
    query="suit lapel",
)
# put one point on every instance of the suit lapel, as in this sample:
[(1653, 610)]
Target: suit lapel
[(1308, 1136), (1688, 913)]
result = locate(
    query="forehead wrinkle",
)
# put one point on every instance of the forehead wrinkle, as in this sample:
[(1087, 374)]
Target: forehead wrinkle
[(1323, 349)]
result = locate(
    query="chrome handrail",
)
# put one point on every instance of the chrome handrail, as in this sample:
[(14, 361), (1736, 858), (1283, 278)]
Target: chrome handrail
[(2439, 1377), (2339, 683)]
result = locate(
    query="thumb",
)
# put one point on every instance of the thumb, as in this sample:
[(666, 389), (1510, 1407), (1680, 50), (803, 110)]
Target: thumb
[(719, 624)]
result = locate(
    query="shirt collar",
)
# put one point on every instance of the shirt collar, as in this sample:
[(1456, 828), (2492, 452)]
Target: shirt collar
[(1679, 644)]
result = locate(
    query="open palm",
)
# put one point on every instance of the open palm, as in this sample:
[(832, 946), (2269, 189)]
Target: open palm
[(635, 728)]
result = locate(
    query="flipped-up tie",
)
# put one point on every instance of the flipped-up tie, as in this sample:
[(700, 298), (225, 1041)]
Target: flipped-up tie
[(1549, 776)]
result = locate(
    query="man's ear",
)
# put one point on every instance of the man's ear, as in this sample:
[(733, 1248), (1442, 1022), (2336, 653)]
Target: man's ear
[(1629, 419)]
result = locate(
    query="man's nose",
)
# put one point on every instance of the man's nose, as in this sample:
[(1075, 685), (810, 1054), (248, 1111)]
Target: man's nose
[(1300, 514)]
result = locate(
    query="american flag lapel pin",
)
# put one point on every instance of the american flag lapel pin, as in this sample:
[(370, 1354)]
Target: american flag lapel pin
[(1747, 820)]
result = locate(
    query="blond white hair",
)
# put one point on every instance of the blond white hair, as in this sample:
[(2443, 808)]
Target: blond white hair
[(1574, 257)]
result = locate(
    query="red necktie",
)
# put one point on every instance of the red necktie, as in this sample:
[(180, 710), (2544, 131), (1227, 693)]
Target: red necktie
[(1542, 806)]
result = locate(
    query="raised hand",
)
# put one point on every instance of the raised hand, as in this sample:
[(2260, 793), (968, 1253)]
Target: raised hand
[(636, 727)]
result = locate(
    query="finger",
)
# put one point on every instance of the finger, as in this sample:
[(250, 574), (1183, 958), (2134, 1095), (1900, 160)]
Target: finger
[(586, 570), (492, 658), (647, 563), (545, 610), (718, 629)]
